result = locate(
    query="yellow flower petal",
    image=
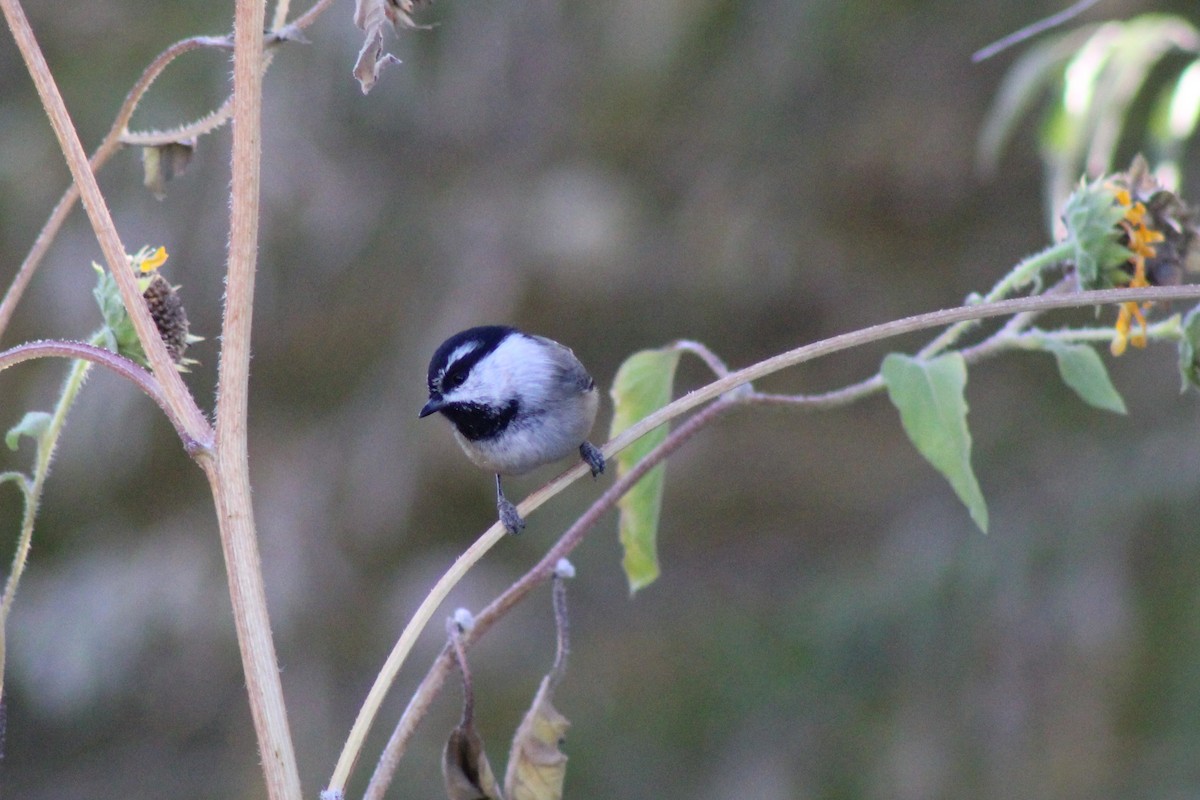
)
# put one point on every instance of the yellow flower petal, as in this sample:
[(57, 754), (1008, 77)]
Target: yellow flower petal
[(154, 260)]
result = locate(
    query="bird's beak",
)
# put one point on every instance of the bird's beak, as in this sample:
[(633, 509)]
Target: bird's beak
[(434, 405)]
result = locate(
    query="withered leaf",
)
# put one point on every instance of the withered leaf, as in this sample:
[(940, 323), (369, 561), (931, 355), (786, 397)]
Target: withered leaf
[(164, 162), (465, 767), (536, 767), (372, 17)]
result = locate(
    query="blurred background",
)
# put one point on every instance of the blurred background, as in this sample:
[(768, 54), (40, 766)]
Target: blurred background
[(756, 175)]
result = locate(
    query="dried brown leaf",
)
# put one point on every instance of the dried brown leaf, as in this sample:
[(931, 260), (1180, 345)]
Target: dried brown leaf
[(164, 162), (466, 768), (536, 767), (372, 17)]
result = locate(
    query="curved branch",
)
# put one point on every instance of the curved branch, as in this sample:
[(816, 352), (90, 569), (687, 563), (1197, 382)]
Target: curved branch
[(680, 406), (537, 575), (122, 366)]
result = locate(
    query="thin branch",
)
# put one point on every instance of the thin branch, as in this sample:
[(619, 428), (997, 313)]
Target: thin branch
[(1029, 31), (538, 574), (119, 135), (281, 12), (934, 319), (1004, 337), (408, 637), (131, 371), (110, 145)]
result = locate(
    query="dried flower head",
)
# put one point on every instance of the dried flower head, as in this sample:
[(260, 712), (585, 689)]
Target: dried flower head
[(162, 300), (1129, 231), (1159, 230), (166, 309)]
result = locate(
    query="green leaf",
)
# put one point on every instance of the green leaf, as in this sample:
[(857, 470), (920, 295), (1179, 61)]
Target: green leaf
[(643, 385), (1083, 370), (33, 425), (1033, 74), (933, 411), (1189, 350)]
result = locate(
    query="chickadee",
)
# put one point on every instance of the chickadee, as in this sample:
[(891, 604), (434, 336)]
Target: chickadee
[(516, 402)]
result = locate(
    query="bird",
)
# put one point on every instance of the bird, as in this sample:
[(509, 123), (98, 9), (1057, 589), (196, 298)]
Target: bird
[(515, 402)]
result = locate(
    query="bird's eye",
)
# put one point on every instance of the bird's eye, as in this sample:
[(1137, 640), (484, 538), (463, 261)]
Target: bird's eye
[(454, 379)]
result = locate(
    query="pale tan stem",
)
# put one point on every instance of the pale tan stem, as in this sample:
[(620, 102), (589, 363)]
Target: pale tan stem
[(228, 472)]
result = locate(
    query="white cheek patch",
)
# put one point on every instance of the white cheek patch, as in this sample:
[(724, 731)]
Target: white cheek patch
[(516, 368)]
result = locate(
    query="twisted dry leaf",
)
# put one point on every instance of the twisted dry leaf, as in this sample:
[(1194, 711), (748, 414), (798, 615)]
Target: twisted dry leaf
[(465, 766), (536, 767), (372, 16), (164, 162)]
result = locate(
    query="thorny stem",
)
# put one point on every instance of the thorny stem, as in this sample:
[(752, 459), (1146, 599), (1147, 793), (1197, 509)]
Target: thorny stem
[(419, 702)]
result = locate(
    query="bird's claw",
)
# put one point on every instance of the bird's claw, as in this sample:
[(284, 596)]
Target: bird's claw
[(509, 516), (592, 457)]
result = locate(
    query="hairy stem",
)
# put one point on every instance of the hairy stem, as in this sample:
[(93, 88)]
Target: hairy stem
[(46, 444), (228, 471), (106, 358), (119, 135), (108, 146)]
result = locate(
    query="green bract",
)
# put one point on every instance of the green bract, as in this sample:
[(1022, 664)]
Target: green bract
[(118, 333), (1092, 217)]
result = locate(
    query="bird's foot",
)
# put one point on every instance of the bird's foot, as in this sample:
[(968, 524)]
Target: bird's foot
[(592, 457), (509, 516)]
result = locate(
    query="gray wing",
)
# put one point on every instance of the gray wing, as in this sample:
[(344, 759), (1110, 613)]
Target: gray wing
[(569, 369)]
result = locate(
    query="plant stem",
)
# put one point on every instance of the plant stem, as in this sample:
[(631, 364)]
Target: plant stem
[(119, 135), (408, 638), (46, 444), (419, 702), (120, 365), (1017, 278), (228, 470), (538, 574), (110, 145)]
